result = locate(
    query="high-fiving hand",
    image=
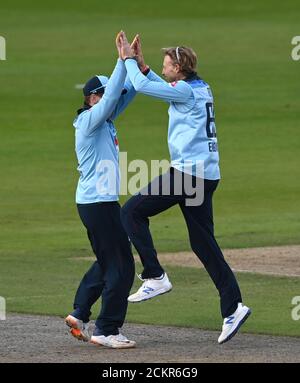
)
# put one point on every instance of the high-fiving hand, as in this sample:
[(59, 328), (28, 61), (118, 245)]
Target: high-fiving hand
[(137, 49), (133, 50), (124, 49)]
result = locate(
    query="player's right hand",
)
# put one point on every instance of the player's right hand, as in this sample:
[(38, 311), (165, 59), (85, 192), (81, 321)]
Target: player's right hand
[(137, 49)]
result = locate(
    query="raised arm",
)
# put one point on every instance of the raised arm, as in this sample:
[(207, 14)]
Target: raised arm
[(175, 92), (152, 76), (125, 99), (136, 47), (95, 117), (128, 92)]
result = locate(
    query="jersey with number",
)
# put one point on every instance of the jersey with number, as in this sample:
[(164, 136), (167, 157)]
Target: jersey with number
[(192, 136), (96, 142)]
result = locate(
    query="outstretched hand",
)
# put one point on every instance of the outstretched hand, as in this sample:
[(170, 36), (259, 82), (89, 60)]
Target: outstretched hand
[(118, 43), (137, 50), (123, 46)]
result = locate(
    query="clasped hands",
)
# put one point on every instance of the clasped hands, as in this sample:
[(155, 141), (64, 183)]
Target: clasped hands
[(133, 50)]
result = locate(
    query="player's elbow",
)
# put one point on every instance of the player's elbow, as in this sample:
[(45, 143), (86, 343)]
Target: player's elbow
[(140, 86), (137, 87)]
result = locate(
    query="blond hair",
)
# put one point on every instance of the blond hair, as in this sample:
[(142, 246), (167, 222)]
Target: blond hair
[(185, 57)]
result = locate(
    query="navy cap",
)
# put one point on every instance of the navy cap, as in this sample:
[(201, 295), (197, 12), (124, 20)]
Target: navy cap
[(95, 85)]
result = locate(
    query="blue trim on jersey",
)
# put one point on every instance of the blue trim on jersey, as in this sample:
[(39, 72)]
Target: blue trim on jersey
[(197, 83)]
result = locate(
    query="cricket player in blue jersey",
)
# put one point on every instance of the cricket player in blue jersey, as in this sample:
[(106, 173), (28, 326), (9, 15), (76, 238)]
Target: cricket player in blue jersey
[(192, 140), (97, 150)]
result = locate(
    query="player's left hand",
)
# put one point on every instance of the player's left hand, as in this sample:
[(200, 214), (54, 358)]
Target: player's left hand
[(136, 47)]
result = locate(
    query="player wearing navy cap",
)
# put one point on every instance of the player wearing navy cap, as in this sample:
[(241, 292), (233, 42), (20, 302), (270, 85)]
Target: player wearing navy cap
[(192, 141), (97, 150)]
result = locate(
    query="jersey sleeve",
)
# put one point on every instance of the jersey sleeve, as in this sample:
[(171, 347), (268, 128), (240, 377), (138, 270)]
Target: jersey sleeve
[(125, 99), (152, 76), (176, 92), (92, 119)]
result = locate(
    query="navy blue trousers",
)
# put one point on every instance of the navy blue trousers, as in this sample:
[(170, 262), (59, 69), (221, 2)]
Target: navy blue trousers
[(111, 276), (199, 219)]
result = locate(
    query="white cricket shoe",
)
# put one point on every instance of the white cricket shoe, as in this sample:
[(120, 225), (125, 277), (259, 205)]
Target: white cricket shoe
[(113, 341), (80, 330), (232, 323), (150, 288)]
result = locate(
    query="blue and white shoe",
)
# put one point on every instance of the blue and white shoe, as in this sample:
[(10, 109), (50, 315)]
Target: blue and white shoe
[(232, 323), (151, 288)]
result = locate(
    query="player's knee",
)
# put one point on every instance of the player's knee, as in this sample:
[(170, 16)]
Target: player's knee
[(195, 246), (128, 211), (124, 213)]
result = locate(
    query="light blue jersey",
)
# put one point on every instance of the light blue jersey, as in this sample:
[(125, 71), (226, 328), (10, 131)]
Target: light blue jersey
[(96, 142), (192, 132)]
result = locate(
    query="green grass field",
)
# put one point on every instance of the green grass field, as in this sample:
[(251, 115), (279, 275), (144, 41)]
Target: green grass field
[(193, 301), (244, 50)]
